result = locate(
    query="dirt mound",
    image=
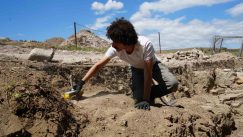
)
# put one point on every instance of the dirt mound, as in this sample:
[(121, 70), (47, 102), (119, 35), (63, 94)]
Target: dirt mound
[(55, 41), (116, 116), (86, 38), (30, 105)]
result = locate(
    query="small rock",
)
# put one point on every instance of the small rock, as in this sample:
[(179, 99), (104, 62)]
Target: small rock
[(121, 87), (207, 107), (227, 70), (41, 54), (236, 103), (124, 123), (217, 91), (239, 81), (114, 116)]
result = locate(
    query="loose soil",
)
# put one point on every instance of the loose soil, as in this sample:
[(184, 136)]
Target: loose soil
[(31, 104)]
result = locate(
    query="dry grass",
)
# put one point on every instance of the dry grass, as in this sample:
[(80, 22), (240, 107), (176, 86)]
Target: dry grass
[(36, 44)]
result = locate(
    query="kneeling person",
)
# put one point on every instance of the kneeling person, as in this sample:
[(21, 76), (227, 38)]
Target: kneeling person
[(138, 51)]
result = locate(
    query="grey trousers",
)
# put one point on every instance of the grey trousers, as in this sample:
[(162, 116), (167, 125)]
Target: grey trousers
[(167, 82)]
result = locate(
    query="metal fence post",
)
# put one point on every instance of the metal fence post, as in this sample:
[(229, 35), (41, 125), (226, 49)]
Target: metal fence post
[(241, 49), (75, 34), (159, 43)]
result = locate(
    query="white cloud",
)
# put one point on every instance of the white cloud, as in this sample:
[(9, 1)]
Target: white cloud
[(170, 6), (101, 22), (100, 8), (236, 10), (176, 34)]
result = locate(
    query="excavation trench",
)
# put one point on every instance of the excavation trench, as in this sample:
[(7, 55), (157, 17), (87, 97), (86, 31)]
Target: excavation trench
[(32, 104)]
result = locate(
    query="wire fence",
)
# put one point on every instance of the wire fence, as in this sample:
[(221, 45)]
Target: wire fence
[(218, 43)]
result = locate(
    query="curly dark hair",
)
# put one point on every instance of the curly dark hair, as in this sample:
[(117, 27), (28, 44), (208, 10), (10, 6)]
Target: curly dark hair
[(122, 31)]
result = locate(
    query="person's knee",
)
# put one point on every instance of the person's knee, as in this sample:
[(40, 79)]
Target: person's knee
[(173, 84)]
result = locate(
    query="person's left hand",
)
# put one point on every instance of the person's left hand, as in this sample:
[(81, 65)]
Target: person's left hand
[(143, 105)]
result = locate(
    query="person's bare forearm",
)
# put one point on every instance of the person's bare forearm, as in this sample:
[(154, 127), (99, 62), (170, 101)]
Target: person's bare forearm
[(147, 79), (147, 86), (92, 71)]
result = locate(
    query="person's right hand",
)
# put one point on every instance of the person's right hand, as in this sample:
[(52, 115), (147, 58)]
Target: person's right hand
[(79, 86)]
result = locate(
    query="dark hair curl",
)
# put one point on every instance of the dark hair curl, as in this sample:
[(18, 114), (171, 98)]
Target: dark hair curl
[(122, 31)]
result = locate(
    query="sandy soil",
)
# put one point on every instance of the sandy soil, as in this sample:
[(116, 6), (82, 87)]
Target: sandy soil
[(31, 103)]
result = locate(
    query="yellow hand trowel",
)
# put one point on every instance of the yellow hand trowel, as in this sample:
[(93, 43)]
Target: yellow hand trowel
[(71, 93)]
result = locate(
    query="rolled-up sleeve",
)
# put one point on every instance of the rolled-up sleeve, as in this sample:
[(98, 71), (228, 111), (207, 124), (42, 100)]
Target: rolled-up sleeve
[(111, 52), (148, 51)]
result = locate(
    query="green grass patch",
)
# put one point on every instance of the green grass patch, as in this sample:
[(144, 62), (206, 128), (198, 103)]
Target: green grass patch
[(80, 48)]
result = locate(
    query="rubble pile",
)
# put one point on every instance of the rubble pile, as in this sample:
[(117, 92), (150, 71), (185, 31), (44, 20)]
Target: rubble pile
[(189, 55), (86, 38)]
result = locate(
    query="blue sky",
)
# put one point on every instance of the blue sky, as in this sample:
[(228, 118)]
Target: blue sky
[(181, 23)]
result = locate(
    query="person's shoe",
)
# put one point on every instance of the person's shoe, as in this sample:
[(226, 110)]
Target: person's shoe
[(167, 103)]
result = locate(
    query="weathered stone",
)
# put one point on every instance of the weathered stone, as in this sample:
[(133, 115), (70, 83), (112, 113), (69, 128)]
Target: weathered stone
[(239, 80), (224, 79), (38, 54), (217, 91), (204, 80), (229, 97)]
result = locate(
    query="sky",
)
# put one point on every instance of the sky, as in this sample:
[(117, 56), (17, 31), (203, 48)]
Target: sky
[(181, 23)]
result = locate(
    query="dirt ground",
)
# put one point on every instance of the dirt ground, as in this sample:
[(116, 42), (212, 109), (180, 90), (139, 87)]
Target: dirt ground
[(31, 103)]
